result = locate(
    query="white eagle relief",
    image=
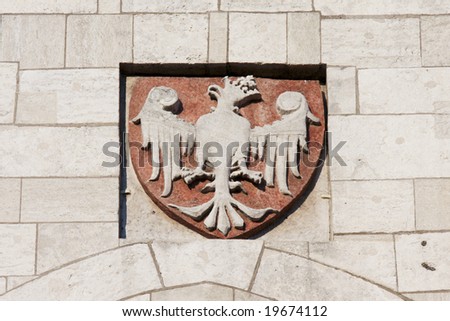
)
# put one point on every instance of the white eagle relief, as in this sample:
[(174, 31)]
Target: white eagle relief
[(224, 141)]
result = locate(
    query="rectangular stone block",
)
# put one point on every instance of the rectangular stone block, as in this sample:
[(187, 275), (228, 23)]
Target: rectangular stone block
[(109, 6), (389, 147), (58, 151), (371, 42), (373, 206), (70, 199), (68, 96), (432, 204), (9, 200), (59, 244), (266, 5), (417, 90), (8, 84), (174, 38), (261, 42), (423, 263), (2, 285), (46, 6), (303, 38), (381, 7), (218, 37), (98, 40), (341, 86), (435, 33), (15, 281), (26, 38), (169, 6), (17, 248)]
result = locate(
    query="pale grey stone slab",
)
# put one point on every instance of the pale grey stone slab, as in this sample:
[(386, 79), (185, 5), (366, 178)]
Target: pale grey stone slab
[(303, 38), (8, 84), (9, 200), (109, 6), (69, 199), (169, 6), (373, 206), (287, 277), (2, 285), (218, 37), (45, 6), (264, 39), (25, 38), (423, 263), (199, 292), (432, 204), (429, 296), (62, 243), (57, 151), (15, 281), (341, 86), (435, 32), (112, 275), (68, 96), (98, 40), (174, 38), (387, 147), (371, 42), (14, 239), (225, 262), (417, 90), (266, 5), (247, 296), (298, 248), (143, 297)]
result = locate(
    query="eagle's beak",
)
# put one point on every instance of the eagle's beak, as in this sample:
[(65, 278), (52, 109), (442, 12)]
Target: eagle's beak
[(215, 92)]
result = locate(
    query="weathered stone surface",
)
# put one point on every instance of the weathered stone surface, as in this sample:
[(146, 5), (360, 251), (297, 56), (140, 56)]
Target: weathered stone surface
[(61, 243), (432, 204), (341, 86), (175, 38), (15, 281), (14, 239), (112, 275), (143, 297), (371, 42), (109, 6), (68, 96), (386, 147), (372, 259), (264, 39), (56, 151), (381, 7), (417, 90), (286, 277), (229, 263), (98, 40), (218, 37), (303, 38), (373, 206), (2, 285), (266, 5), (45, 6), (429, 296), (169, 6), (200, 292), (435, 38), (423, 263), (247, 296), (25, 38), (8, 84), (9, 200), (297, 248), (70, 199)]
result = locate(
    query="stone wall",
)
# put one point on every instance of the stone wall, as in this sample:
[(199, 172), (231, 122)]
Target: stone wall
[(381, 230)]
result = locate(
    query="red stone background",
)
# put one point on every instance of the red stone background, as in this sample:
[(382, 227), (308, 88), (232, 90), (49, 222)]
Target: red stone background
[(192, 93)]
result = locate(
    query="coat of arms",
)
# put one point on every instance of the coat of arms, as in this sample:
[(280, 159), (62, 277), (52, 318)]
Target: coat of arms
[(225, 157)]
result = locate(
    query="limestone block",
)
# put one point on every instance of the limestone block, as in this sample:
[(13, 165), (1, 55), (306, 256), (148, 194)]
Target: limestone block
[(247, 296), (229, 263), (303, 38), (423, 263), (200, 292), (257, 37), (68, 96), (8, 84), (25, 38), (341, 86), (429, 296), (45, 6), (373, 206), (417, 90), (387, 147), (9, 200), (143, 297), (435, 38), (175, 38), (169, 6), (109, 6), (266, 5), (371, 42), (14, 239), (70, 199), (297, 248), (218, 37), (2, 285), (16, 281), (432, 204), (98, 40)]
